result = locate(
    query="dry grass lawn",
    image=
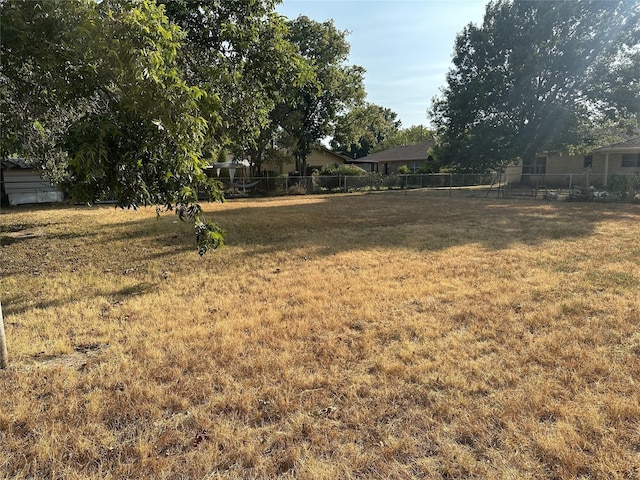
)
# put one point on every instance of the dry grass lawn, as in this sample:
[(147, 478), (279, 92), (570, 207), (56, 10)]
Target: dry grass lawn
[(385, 335)]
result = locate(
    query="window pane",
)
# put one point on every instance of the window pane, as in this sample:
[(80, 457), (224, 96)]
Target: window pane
[(630, 159)]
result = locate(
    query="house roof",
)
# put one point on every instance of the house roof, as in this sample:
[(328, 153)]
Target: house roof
[(403, 153), (631, 145), (16, 163), (344, 156), (339, 155)]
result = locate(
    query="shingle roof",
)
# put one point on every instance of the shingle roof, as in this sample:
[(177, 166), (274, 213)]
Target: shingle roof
[(631, 144), (402, 153), (16, 163), (341, 155), (344, 156)]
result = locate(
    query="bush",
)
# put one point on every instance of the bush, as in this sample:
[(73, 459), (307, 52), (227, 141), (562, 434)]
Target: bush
[(299, 188), (621, 186), (335, 170)]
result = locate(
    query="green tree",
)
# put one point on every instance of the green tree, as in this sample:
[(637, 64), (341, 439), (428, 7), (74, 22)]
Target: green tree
[(142, 140), (406, 136), (526, 80), (239, 52), (92, 94), (308, 110), (113, 111), (360, 130), (38, 65)]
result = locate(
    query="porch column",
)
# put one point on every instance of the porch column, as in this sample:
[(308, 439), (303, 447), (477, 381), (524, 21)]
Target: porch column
[(606, 168)]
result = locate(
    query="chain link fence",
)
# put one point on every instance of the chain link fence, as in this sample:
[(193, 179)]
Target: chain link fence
[(292, 185), (570, 186), (574, 186), (521, 185)]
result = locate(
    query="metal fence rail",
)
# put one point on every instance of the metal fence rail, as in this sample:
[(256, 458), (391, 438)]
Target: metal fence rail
[(503, 184), (574, 185), (291, 185)]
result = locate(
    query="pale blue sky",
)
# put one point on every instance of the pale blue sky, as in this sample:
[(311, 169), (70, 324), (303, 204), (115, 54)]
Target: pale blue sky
[(405, 45)]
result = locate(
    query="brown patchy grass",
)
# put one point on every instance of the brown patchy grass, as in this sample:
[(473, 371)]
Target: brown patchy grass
[(349, 336)]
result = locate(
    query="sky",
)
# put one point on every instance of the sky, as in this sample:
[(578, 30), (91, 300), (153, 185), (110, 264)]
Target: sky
[(406, 46)]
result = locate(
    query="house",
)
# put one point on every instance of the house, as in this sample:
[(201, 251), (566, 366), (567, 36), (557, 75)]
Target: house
[(619, 158), (594, 168), (22, 184), (390, 160), (319, 157)]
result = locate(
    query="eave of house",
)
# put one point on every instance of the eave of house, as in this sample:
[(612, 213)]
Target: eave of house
[(629, 146), (16, 163), (403, 153)]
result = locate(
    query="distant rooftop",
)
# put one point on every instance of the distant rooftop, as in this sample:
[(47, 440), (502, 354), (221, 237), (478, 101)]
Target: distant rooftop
[(631, 144), (403, 153), (13, 162)]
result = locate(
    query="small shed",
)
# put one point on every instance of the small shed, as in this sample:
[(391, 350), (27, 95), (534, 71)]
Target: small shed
[(22, 184)]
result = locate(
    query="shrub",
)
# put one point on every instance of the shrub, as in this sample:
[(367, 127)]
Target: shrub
[(335, 170), (621, 186), (298, 189)]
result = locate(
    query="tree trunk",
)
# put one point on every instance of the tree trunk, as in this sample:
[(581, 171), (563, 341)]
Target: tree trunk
[(3, 343)]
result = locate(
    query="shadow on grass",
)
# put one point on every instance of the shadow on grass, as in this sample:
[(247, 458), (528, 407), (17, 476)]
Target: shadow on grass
[(415, 221), (19, 304), (421, 221), (319, 226)]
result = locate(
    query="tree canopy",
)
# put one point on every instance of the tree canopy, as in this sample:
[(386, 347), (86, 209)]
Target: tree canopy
[(238, 52), (310, 109), (535, 77), (113, 116), (406, 136), (360, 130), (131, 99)]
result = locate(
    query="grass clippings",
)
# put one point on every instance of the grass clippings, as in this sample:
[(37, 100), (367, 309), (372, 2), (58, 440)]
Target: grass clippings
[(384, 335)]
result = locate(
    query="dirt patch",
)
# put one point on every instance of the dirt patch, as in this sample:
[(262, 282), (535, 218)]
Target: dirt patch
[(78, 359), (15, 234)]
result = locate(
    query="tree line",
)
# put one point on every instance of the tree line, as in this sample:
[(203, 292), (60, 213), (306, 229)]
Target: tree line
[(539, 77), (132, 99)]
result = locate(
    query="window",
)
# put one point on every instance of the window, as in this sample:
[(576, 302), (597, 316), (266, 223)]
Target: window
[(415, 166), (588, 161), (631, 159), (537, 167)]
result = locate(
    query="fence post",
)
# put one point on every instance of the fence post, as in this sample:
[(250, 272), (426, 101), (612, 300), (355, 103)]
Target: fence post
[(570, 180), (4, 358), (450, 184), (504, 185)]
